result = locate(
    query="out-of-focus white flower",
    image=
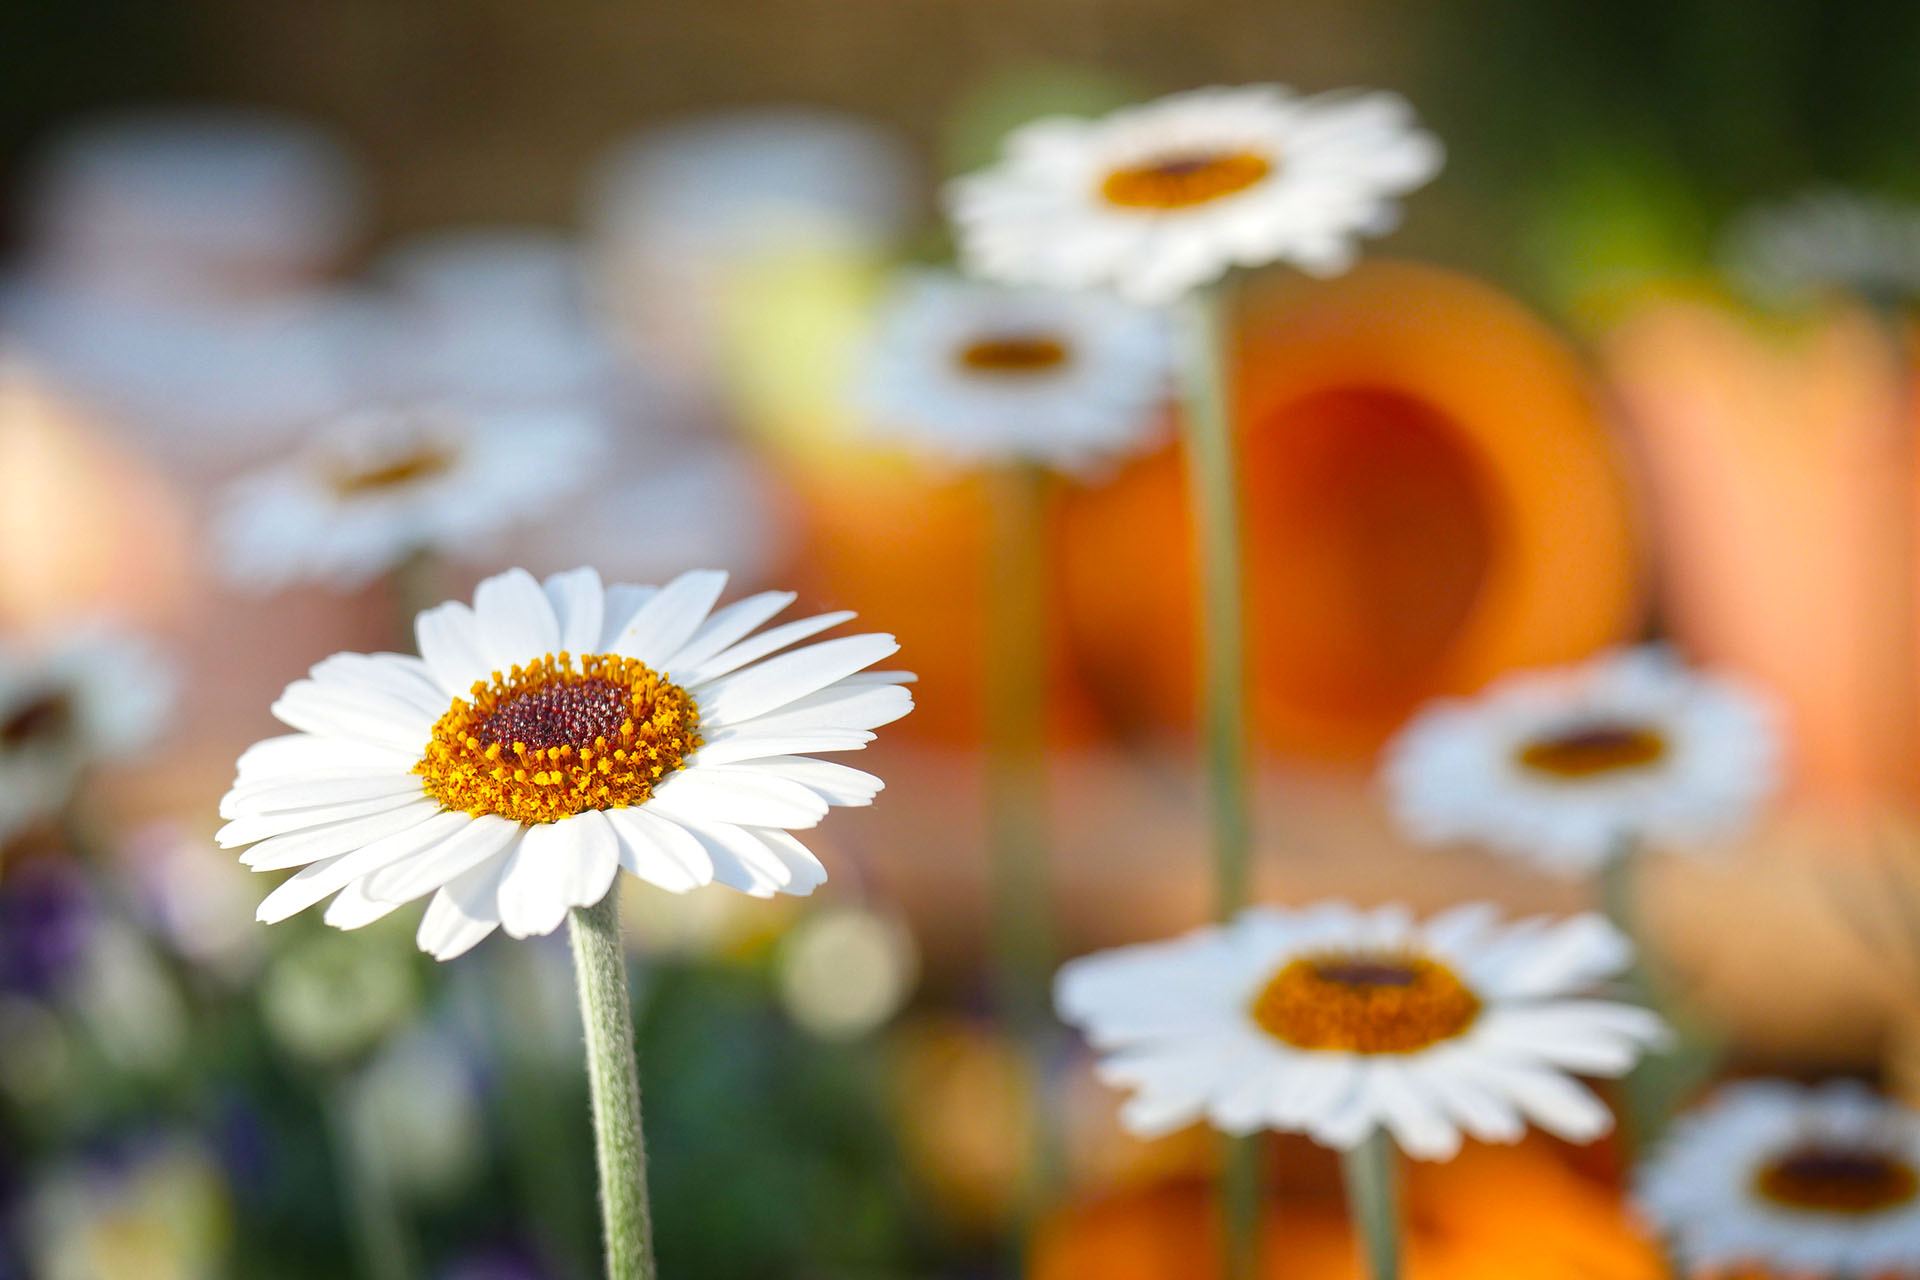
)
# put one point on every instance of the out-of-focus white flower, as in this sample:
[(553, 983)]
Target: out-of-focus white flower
[(979, 373), (173, 273), (383, 484), (845, 971), (1799, 1181), (415, 1116), (1157, 199), (1568, 766), (538, 745), (128, 1001), (159, 1211), (680, 214), (1336, 1022), (194, 896), (1824, 242), (69, 700), (700, 506), (328, 999)]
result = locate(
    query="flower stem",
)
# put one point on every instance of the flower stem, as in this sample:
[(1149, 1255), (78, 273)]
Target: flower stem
[(1371, 1174), (1214, 486), (373, 1219), (613, 1080), (1016, 700)]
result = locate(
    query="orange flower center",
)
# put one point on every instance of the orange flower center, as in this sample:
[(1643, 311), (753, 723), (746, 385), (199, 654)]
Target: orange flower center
[(558, 737), (1590, 750), (1833, 1179), (1365, 1003), (1184, 180), (1019, 353), (424, 462)]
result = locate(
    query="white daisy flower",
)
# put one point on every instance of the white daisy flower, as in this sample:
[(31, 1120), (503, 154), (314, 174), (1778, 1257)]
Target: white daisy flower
[(1568, 766), (1801, 1181), (549, 735), (92, 694), (981, 373), (1336, 1022), (1823, 241), (381, 484), (1154, 200)]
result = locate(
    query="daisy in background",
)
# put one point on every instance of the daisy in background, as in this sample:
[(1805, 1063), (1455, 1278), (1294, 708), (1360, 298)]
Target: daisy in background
[(1825, 241), (1338, 1022), (1572, 767), (69, 701), (1155, 200), (1800, 1181), (378, 486), (977, 373), (550, 734), (547, 736)]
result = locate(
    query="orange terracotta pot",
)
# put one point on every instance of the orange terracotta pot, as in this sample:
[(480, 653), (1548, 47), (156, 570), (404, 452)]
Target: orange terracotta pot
[(1431, 497), (1782, 464), (1496, 1213)]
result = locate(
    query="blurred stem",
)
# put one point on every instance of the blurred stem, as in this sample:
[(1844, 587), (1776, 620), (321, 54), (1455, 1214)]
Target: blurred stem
[(373, 1220), (1371, 1173), (1214, 486), (1894, 698), (613, 1080), (1016, 696), (416, 584)]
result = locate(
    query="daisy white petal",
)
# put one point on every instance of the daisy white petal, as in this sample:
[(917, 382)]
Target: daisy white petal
[(1790, 1179), (1338, 1023), (1155, 200), (1566, 767), (508, 776)]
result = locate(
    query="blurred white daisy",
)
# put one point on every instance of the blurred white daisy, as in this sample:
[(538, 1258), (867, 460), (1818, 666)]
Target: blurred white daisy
[(1567, 766), (91, 694), (549, 735), (1336, 1022), (1154, 200), (980, 373), (379, 485), (1825, 241), (1801, 1181)]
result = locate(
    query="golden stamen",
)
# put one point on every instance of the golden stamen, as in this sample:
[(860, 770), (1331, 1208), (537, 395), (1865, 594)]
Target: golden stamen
[(1184, 180), (1589, 750), (555, 738), (1358, 1002), (1013, 354), (424, 463)]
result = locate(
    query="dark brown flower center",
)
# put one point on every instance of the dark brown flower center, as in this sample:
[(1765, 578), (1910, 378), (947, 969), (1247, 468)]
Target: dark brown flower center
[(558, 715), (1014, 353), (1586, 751), (1833, 1179), (47, 717), (1365, 1003), (1183, 180)]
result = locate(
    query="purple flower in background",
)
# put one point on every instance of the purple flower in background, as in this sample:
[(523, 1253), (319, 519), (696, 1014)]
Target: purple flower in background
[(494, 1264), (47, 913)]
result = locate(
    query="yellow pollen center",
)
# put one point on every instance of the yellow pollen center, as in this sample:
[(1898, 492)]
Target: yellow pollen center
[(423, 463), (1836, 1179), (1018, 353), (1587, 751), (1184, 180), (1357, 1002), (558, 737)]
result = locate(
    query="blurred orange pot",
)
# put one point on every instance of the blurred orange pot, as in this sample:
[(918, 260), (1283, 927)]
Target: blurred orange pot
[(1496, 1213), (1431, 498), (1779, 458)]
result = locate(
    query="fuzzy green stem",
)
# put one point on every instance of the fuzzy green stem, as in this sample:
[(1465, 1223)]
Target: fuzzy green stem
[(1371, 1173), (1214, 487), (613, 1080), (1016, 700)]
